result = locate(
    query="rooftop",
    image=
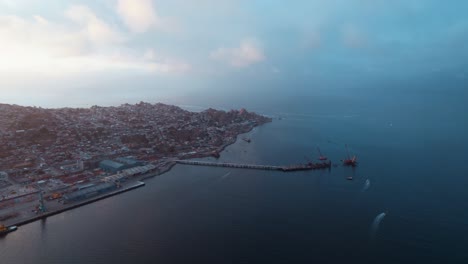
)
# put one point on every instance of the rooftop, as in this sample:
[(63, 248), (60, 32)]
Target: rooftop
[(111, 163)]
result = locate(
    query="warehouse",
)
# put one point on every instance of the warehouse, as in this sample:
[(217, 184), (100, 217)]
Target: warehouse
[(89, 192), (111, 166), (119, 164), (130, 162)]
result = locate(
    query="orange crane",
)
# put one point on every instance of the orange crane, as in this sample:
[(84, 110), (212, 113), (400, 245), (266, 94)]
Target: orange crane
[(349, 161), (321, 157), (55, 196)]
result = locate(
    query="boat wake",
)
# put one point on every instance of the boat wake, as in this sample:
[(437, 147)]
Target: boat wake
[(375, 225), (225, 176), (366, 185)]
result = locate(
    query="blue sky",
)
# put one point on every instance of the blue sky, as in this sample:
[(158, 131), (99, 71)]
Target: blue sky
[(111, 51)]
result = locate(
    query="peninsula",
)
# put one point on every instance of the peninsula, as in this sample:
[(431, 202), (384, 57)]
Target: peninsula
[(55, 159)]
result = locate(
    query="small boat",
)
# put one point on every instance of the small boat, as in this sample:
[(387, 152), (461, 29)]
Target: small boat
[(350, 178), (247, 140)]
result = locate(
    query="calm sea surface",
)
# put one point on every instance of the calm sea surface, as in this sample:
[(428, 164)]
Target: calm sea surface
[(413, 155)]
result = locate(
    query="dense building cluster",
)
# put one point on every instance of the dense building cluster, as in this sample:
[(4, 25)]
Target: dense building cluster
[(68, 144)]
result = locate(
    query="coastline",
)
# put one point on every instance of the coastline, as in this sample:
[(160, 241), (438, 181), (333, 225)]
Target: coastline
[(76, 205), (138, 183), (158, 173), (225, 145), (236, 139)]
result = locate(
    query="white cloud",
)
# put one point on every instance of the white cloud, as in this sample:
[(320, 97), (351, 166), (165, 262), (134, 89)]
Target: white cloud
[(82, 43), (249, 52), (93, 28), (21, 39), (157, 63), (140, 15), (40, 20)]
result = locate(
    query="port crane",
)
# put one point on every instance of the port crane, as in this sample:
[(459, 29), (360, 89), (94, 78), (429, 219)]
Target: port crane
[(349, 161), (321, 157), (42, 207)]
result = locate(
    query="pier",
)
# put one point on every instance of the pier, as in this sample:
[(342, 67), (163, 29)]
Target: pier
[(309, 166)]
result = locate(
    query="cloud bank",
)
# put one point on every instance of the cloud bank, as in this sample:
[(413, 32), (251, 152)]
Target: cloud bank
[(138, 15), (141, 16), (249, 52), (82, 42)]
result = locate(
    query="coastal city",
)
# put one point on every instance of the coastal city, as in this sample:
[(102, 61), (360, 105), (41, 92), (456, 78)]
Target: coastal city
[(233, 131), (51, 159)]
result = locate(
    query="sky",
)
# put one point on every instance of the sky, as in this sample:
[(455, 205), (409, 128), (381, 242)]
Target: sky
[(82, 52)]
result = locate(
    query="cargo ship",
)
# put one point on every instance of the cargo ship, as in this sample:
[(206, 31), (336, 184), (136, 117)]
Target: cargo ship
[(5, 230)]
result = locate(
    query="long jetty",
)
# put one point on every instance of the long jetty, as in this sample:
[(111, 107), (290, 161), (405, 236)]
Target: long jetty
[(310, 166)]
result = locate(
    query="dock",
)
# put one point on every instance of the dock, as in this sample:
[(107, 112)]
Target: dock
[(309, 166), (77, 204)]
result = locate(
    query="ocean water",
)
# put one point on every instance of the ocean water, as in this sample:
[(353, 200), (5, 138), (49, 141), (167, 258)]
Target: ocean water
[(412, 151)]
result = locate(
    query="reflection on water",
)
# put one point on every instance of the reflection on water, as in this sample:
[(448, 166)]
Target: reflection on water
[(219, 215)]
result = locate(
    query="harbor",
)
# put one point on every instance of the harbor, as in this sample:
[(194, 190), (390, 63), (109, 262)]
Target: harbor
[(67, 207), (57, 164), (123, 181)]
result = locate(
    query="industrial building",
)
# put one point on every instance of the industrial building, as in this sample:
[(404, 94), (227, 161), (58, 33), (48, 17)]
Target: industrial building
[(89, 192), (119, 164), (122, 176), (130, 162), (111, 166)]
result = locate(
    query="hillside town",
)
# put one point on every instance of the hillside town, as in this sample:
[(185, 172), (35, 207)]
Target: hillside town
[(67, 154)]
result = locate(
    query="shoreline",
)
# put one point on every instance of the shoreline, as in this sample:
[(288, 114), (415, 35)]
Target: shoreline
[(138, 184), (224, 146)]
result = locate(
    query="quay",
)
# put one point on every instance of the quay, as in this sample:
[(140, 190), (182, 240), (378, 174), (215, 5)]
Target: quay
[(77, 204), (309, 166)]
